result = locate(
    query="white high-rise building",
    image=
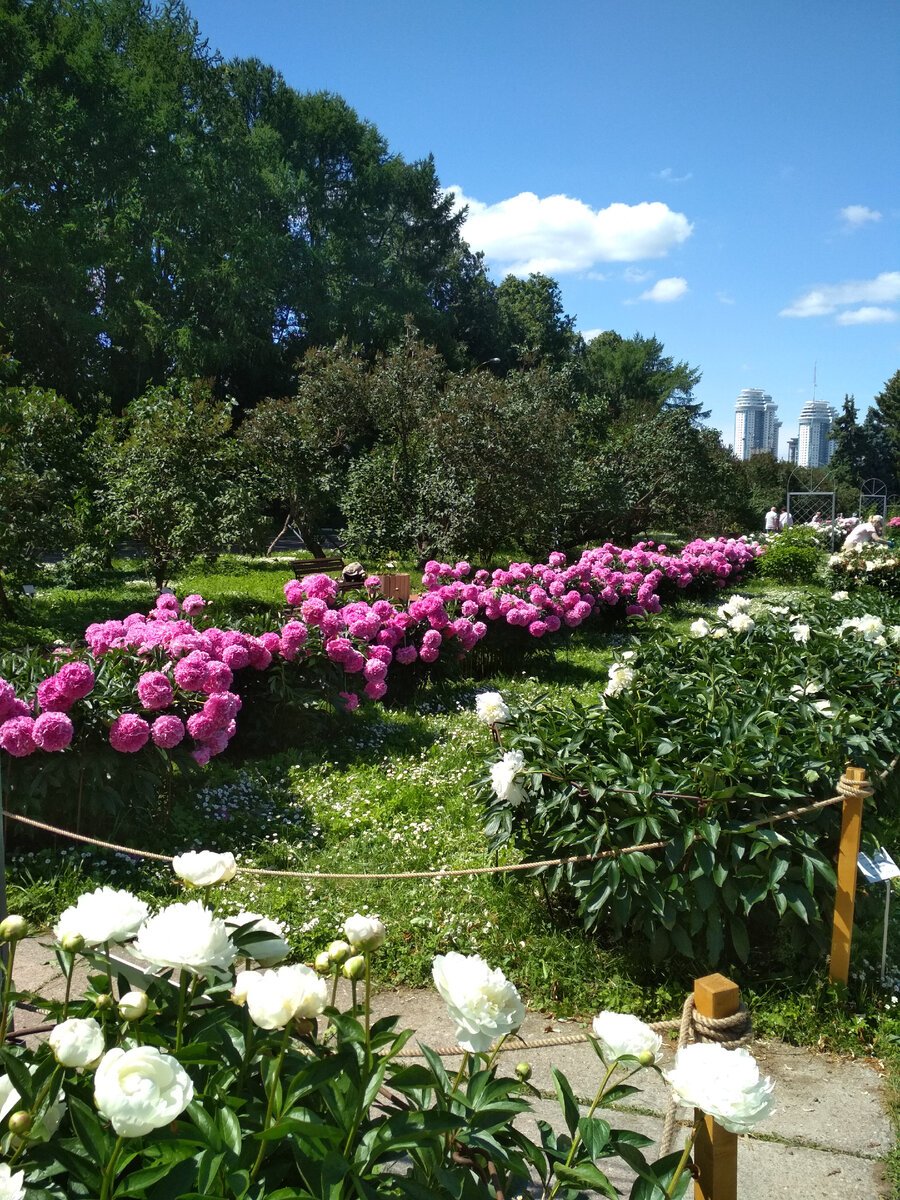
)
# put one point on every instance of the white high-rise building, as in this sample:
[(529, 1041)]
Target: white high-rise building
[(816, 446), (756, 424)]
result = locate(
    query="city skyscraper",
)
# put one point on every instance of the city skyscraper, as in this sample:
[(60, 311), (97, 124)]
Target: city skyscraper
[(793, 449), (756, 424), (816, 446)]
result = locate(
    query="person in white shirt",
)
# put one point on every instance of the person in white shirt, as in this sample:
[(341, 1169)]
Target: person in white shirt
[(772, 520), (864, 532), (785, 521)]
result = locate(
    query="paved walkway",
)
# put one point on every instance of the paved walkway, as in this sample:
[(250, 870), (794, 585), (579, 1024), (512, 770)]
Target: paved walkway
[(826, 1141)]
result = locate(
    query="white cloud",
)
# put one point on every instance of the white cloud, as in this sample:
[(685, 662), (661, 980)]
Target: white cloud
[(636, 275), (855, 215), (558, 234), (828, 298), (668, 175), (590, 334), (868, 315), (725, 298), (664, 291)]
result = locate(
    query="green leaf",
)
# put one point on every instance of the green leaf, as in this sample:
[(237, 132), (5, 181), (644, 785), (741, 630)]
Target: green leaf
[(739, 937), (96, 1141), (230, 1127), (567, 1100), (595, 1135), (588, 1174)]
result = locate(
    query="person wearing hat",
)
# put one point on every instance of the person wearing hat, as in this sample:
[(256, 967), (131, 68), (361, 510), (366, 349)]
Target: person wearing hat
[(865, 532)]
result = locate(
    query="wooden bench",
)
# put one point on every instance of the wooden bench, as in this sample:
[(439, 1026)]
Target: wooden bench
[(315, 566)]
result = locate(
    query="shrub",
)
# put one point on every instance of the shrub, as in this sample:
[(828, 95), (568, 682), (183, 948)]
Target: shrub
[(793, 556)]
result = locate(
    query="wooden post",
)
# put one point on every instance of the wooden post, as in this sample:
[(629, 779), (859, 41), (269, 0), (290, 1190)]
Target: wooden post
[(715, 1149), (848, 852), (395, 587)]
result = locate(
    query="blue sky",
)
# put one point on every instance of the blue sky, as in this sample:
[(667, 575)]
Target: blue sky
[(723, 176)]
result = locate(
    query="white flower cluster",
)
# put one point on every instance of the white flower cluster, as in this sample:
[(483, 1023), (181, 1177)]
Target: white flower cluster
[(491, 708), (482, 1003), (868, 627), (275, 998), (203, 868), (504, 775), (621, 677)]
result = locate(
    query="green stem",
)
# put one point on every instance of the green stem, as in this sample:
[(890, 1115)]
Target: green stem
[(368, 1009), (576, 1140), (271, 1099), (460, 1073), (496, 1050), (69, 974), (682, 1162), (334, 987), (108, 969), (182, 998), (109, 1174), (7, 989)]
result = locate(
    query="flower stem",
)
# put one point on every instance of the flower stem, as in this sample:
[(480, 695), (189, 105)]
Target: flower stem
[(69, 974), (682, 1162), (460, 1073), (368, 1008), (7, 989), (182, 1005), (334, 986), (576, 1139), (496, 1050), (276, 1075), (109, 1173)]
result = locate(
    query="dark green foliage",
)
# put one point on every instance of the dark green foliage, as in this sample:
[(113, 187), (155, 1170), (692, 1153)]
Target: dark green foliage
[(794, 556)]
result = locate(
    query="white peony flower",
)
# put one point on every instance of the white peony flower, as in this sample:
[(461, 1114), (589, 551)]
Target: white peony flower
[(840, 596), (44, 1128), (800, 633), (104, 915), (203, 868), (141, 1089), (737, 604), (622, 1034), (620, 678), (77, 1042), (188, 937), (700, 628), (503, 777), (482, 1003), (871, 627), (823, 708), (12, 1187), (780, 610), (491, 708), (133, 1005), (894, 634), (243, 982), (798, 691), (835, 561), (725, 1084), (720, 632), (741, 623), (274, 998), (268, 951), (364, 933)]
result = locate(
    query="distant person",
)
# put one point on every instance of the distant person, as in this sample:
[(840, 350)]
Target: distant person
[(785, 520), (772, 520), (864, 533), (817, 519)]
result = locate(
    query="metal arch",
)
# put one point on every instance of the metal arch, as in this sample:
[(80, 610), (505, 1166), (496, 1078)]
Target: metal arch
[(811, 492), (873, 493)]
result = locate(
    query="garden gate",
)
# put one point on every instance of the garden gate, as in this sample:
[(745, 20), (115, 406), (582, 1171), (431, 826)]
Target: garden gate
[(873, 498), (811, 494)]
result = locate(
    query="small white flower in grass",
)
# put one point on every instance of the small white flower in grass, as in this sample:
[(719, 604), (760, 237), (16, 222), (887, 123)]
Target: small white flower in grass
[(840, 596), (482, 1003), (725, 1084), (700, 627), (504, 774), (104, 915), (364, 933), (620, 679), (77, 1042), (188, 937), (12, 1186), (491, 708), (203, 868), (268, 950), (741, 623), (800, 633), (141, 1089), (275, 998), (621, 1034)]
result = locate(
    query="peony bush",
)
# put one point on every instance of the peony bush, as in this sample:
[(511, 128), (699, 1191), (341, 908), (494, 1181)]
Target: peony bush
[(219, 1076), (694, 743)]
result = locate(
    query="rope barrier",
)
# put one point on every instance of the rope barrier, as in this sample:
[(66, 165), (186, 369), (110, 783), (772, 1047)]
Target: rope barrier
[(444, 872)]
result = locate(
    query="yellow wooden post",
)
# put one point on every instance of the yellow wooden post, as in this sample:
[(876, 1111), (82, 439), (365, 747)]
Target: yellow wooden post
[(854, 788), (715, 1149)]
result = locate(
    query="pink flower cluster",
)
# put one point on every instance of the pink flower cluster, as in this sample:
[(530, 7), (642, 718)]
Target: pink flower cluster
[(185, 685)]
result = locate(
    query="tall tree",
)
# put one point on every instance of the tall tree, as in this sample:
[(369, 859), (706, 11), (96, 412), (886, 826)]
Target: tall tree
[(635, 377), (534, 327)]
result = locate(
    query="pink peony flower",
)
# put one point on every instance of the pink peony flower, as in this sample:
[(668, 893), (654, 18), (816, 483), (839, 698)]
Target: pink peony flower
[(193, 604), (201, 755), (52, 695), (16, 737), (190, 671), (218, 678), (52, 731), (155, 690), (221, 707), (7, 698), (406, 655), (167, 603), (237, 657), (201, 726), (167, 731), (350, 699), (77, 679), (129, 733), (294, 593)]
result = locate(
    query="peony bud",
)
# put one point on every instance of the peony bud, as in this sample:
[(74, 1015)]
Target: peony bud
[(20, 1123), (133, 1005), (323, 963), (364, 933), (72, 942), (646, 1058), (13, 929), (523, 1071), (104, 1001), (338, 952), (354, 968)]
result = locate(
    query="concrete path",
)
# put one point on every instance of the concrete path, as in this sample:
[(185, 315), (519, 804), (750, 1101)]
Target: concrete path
[(827, 1139)]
